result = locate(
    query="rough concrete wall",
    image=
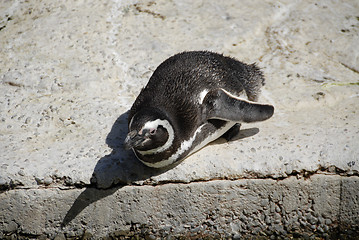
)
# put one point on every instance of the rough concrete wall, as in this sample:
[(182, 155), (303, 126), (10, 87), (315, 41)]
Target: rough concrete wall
[(319, 205), (70, 70)]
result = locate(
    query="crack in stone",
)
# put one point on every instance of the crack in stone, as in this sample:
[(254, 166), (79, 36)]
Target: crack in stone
[(332, 170), (65, 183), (350, 68), (4, 23)]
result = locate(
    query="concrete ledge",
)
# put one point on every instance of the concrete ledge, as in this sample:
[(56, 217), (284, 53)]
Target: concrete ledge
[(321, 205)]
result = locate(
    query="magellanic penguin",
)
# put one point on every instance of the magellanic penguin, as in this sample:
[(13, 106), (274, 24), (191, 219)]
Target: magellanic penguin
[(190, 100)]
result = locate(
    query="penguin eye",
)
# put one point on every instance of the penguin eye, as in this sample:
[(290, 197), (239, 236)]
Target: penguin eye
[(153, 131)]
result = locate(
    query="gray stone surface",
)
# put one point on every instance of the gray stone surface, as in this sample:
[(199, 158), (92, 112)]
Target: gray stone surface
[(69, 72), (224, 207)]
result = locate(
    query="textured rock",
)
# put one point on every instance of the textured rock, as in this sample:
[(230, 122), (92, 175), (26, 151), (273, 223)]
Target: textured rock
[(223, 207), (67, 84), (69, 71)]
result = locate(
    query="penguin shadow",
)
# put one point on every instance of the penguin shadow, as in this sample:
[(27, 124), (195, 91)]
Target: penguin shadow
[(121, 168), (244, 133), (236, 134), (113, 171)]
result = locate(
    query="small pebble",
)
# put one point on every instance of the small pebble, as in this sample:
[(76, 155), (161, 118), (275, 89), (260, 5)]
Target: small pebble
[(21, 172), (28, 120), (3, 181), (328, 221), (47, 180), (60, 236), (236, 237), (11, 227), (264, 202)]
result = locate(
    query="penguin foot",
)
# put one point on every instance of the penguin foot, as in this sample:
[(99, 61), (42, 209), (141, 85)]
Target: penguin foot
[(232, 133)]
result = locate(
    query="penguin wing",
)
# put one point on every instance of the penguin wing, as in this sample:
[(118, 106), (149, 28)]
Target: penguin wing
[(220, 104)]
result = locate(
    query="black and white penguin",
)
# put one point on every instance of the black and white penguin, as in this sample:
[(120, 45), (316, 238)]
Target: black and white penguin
[(190, 100)]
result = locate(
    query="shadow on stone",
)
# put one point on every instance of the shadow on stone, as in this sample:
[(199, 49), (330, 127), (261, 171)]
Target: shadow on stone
[(121, 168), (243, 133), (113, 171), (87, 197)]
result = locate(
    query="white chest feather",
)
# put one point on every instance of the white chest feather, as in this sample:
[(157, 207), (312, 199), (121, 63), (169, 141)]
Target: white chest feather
[(217, 134), (189, 143)]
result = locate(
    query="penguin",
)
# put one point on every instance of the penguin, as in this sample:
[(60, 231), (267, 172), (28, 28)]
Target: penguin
[(191, 99)]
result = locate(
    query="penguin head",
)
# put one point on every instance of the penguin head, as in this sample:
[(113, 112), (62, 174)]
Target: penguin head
[(149, 132)]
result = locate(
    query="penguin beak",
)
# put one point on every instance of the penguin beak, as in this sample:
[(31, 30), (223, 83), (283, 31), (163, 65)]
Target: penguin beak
[(133, 140)]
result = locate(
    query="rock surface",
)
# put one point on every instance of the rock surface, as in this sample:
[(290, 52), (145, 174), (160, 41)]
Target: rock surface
[(227, 208), (69, 72)]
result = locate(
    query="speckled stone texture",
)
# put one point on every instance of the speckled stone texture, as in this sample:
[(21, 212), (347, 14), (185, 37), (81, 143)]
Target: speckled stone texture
[(319, 205), (70, 70)]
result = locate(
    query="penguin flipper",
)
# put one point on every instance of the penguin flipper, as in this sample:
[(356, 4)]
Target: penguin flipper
[(220, 104)]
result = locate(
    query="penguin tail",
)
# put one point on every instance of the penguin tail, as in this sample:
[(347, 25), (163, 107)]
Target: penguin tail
[(252, 81)]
